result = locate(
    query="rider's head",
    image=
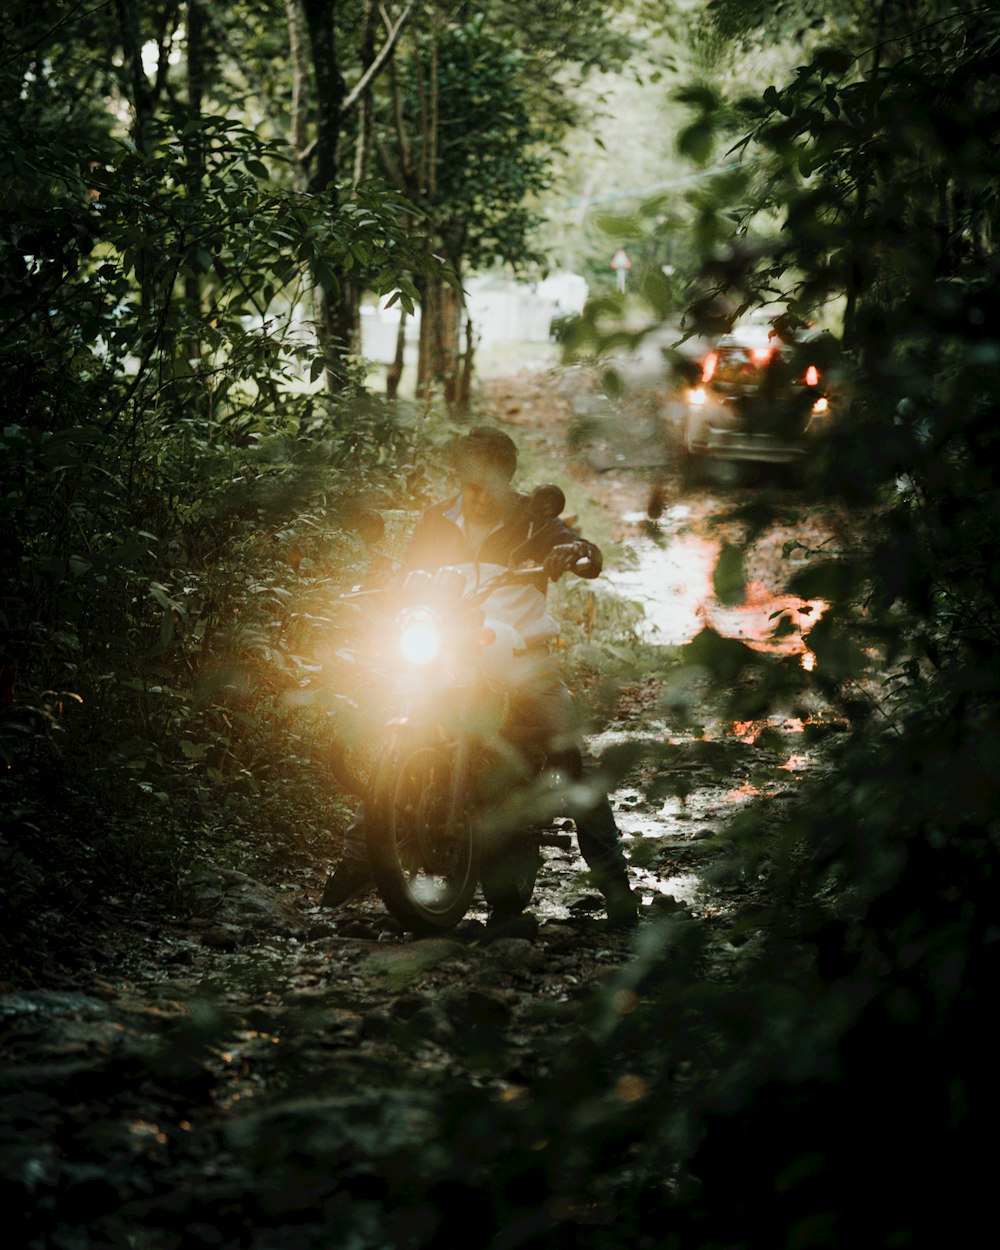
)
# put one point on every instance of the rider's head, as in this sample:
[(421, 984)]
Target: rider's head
[(485, 461)]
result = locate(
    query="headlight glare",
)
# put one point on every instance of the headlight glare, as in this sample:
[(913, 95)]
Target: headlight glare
[(419, 636)]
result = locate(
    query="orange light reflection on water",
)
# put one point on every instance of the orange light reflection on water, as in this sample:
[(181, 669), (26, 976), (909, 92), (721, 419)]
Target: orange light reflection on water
[(674, 583), (749, 731), (795, 764), (755, 621)]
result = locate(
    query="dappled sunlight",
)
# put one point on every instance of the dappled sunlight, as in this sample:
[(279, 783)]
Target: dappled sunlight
[(795, 764), (684, 887)]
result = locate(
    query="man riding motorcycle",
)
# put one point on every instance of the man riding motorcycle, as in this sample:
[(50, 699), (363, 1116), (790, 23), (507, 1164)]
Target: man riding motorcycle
[(489, 523)]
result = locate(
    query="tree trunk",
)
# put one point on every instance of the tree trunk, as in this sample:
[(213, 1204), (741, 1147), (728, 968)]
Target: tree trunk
[(352, 288), (363, 143), (196, 67), (440, 358), (140, 90), (440, 337), (395, 371), (336, 303), (300, 69), (333, 322), (464, 398)]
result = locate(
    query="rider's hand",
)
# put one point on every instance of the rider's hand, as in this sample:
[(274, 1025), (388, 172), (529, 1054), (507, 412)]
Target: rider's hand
[(562, 558)]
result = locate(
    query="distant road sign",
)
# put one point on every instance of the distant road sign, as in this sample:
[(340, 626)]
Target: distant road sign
[(620, 263)]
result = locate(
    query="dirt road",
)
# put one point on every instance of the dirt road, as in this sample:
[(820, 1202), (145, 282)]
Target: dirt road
[(160, 1099)]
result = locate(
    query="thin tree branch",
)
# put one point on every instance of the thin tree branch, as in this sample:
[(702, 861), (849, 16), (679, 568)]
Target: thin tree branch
[(380, 59)]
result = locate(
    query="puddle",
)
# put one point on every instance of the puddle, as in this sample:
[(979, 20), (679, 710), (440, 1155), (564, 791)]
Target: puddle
[(755, 620), (684, 887), (671, 576), (673, 582)]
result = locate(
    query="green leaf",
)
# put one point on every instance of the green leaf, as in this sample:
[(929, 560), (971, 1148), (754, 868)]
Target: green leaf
[(698, 96), (159, 593), (837, 656), (729, 576), (837, 581), (724, 658), (613, 384), (833, 61), (697, 141), (658, 291)]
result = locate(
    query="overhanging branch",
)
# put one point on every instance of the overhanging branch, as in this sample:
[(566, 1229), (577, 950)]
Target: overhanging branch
[(380, 59)]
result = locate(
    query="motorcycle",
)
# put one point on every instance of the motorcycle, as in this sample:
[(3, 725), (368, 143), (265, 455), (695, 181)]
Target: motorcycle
[(452, 748)]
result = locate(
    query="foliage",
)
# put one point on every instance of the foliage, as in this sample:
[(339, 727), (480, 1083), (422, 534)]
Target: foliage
[(486, 153), (836, 1091), (177, 495), (855, 1009)]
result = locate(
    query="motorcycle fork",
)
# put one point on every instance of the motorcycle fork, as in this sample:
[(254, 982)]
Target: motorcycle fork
[(458, 795)]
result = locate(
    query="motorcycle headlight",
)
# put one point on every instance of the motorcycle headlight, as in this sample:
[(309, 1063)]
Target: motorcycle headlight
[(419, 636)]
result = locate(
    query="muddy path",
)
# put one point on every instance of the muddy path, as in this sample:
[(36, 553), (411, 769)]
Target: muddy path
[(159, 1098)]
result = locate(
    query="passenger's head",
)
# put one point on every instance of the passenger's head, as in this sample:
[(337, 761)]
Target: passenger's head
[(485, 461)]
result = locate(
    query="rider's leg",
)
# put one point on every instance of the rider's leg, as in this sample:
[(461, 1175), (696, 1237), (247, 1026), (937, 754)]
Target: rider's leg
[(352, 876), (600, 842)]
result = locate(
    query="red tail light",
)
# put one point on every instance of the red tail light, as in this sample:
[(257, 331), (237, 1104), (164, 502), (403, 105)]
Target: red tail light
[(812, 376), (708, 369)]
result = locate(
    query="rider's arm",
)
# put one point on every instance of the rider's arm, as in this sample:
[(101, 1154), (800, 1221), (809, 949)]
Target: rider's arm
[(562, 550)]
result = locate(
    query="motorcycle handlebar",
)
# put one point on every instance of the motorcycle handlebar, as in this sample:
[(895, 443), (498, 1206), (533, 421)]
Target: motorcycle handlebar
[(529, 573), (533, 572)]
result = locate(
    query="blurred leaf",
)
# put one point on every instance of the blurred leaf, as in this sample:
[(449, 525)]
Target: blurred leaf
[(613, 383), (837, 581), (725, 658), (729, 575), (834, 61), (837, 655), (697, 141)]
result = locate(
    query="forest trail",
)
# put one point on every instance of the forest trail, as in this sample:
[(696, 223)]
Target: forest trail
[(174, 1094)]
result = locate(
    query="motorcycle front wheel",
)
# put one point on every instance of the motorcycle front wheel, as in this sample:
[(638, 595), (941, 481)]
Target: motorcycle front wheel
[(423, 854)]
